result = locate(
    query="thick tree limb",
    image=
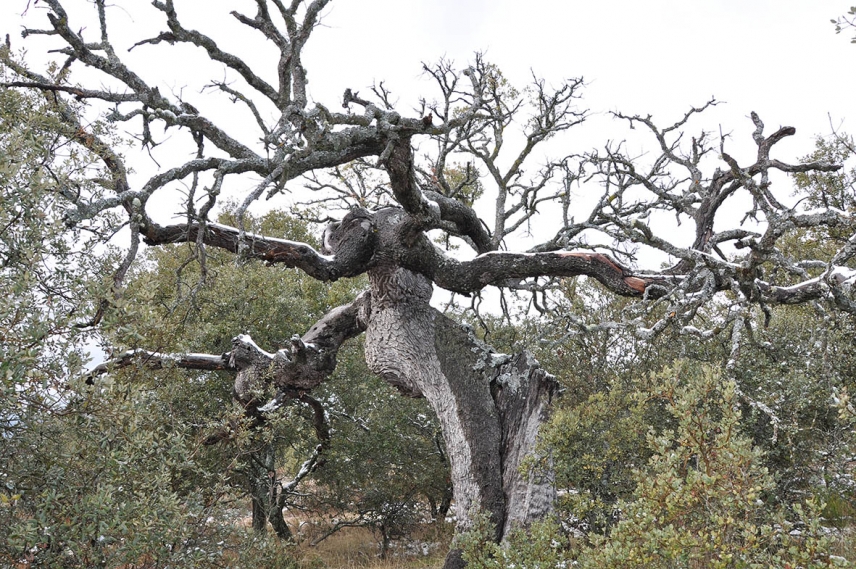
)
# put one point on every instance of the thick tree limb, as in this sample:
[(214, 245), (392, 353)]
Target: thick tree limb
[(305, 365), (76, 91), (250, 245), (499, 268), (158, 360), (402, 179), (362, 240), (465, 221)]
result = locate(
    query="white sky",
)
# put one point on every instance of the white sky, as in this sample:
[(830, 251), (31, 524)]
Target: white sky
[(780, 58)]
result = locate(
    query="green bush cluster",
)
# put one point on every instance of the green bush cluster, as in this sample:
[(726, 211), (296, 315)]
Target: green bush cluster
[(703, 497)]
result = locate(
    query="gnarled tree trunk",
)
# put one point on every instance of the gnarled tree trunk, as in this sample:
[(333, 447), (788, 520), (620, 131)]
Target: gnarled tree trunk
[(489, 406)]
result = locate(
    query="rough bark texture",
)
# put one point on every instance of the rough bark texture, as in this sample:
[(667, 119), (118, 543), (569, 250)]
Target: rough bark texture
[(522, 392), (490, 407)]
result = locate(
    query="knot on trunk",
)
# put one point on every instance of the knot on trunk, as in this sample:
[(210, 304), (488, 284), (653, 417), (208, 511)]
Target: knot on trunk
[(353, 241), (304, 367), (394, 286)]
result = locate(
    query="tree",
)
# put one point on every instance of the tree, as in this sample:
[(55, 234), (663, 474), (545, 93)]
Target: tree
[(845, 21), (489, 405), (44, 268)]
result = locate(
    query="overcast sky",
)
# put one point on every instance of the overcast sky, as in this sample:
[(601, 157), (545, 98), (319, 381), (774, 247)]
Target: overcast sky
[(780, 58)]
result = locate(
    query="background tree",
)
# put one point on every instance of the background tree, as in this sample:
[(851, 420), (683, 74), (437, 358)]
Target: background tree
[(489, 406)]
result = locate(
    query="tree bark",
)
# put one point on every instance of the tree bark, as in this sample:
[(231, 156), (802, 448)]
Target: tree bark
[(260, 465), (490, 406)]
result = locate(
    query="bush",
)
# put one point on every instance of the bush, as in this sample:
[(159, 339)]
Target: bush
[(704, 498)]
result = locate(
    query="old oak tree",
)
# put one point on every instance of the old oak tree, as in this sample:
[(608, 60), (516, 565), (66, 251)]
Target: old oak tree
[(489, 405)]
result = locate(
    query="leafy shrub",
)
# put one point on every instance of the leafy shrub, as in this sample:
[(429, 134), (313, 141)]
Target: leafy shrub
[(703, 499)]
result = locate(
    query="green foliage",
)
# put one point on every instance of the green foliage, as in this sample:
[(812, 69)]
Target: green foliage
[(807, 360), (824, 190), (542, 546), (795, 363), (596, 447), (703, 498), (829, 189), (68, 495), (463, 182), (47, 271), (101, 475), (115, 479)]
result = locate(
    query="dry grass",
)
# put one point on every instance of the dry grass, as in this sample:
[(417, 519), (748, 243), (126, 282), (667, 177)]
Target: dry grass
[(844, 545), (357, 548)]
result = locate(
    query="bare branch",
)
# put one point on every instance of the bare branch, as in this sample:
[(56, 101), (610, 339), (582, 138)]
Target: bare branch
[(158, 360), (178, 33)]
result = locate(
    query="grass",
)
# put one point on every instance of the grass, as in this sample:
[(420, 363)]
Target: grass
[(357, 548)]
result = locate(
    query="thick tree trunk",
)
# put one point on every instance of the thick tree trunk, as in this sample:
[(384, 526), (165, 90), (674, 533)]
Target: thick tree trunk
[(489, 405), (523, 391)]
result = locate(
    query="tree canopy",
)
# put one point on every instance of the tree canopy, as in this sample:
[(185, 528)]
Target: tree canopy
[(699, 242)]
